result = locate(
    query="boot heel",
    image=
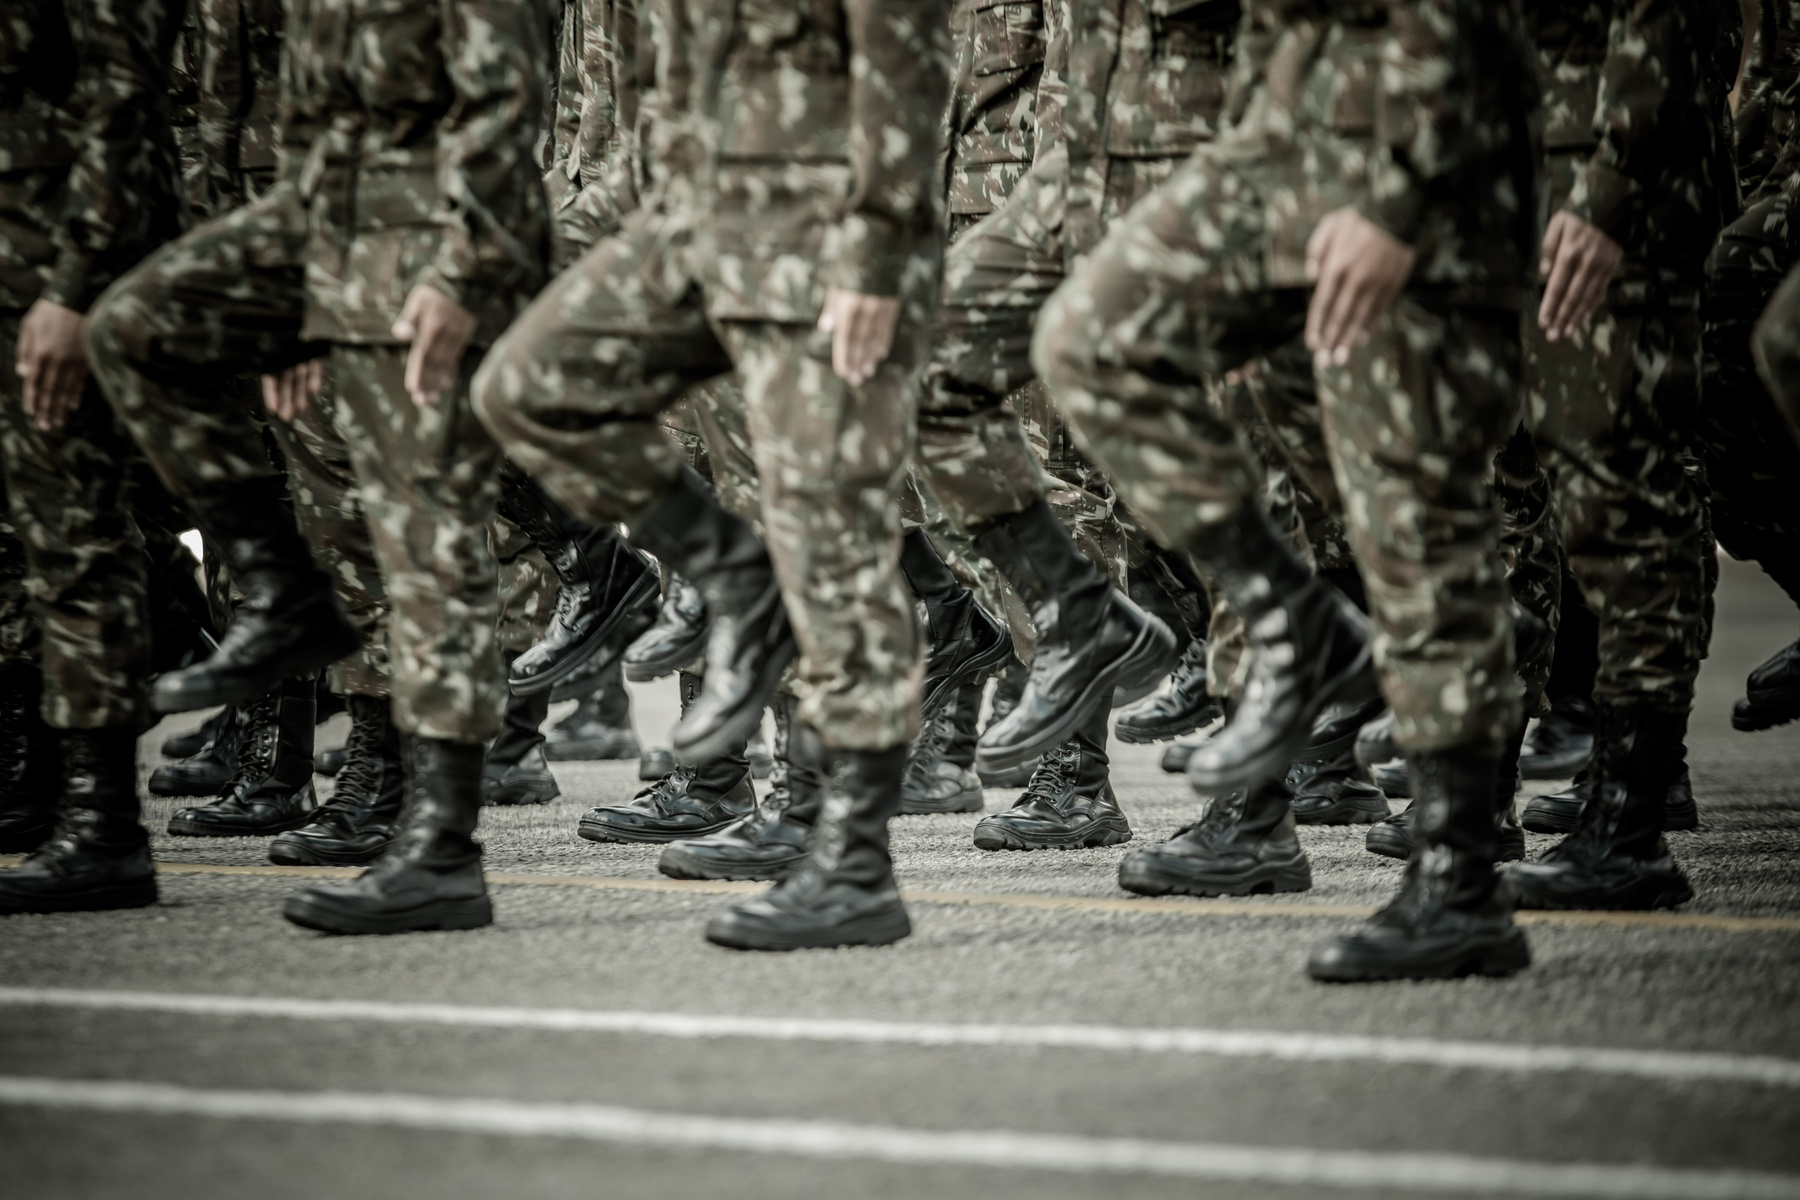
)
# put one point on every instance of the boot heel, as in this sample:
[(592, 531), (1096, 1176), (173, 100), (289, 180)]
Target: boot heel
[(1295, 878), (466, 914), (1514, 954)]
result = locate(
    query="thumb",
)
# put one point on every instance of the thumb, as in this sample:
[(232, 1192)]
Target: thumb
[(406, 325)]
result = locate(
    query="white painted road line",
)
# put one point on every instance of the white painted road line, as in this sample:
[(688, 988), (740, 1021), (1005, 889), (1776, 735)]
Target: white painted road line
[(1665, 1065), (1381, 1172)]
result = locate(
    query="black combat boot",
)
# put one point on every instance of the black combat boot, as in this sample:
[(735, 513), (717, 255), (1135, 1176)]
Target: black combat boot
[(1397, 836), (358, 822), (1375, 742), (1451, 917), (654, 763), (1090, 638), (516, 771), (1332, 791), (599, 728), (690, 802), (30, 761), (98, 857), (1562, 742), (1308, 650), (1680, 814), (770, 840), (676, 640), (290, 622), (186, 745), (430, 875), (843, 893), (1616, 857), (210, 770), (1009, 685), (1771, 694), (748, 641), (1243, 844), (940, 765), (330, 761), (965, 641), (1559, 812), (1175, 756), (606, 591), (272, 789), (1180, 709), (1069, 802)]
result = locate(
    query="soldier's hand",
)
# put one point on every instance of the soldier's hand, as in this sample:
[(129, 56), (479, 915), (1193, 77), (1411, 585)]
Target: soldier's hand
[(1357, 269), (439, 329), (53, 364), (289, 394), (1577, 262), (862, 332)]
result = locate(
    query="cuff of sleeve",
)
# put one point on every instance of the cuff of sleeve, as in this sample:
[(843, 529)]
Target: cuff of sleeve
[(1609, 201), (1396, 204), (74, 284), (872, 257)]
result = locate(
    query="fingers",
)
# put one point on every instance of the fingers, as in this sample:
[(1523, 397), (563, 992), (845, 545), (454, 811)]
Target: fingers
[(1553, 239), (1556, 292), (314, 373), (406, 325)]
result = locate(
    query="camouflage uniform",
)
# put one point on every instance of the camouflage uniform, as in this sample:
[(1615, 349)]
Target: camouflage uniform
[(1208, 273), (779, 173), (91, 185), (1631, 145), (407, 159)]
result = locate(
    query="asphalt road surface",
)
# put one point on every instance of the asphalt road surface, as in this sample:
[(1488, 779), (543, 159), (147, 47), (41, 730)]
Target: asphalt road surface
[(1041, 1035)]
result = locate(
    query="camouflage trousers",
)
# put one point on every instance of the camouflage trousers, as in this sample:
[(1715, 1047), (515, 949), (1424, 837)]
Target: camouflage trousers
[(226, 301), (527, 587), (574, 392), (19, 631), (1611, 409), (1751, 456), (1175, 296), (86, 575)]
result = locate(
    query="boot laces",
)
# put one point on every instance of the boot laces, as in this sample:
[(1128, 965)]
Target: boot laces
[(1055, 778), (360, 778), (256, 752), (929, 749)]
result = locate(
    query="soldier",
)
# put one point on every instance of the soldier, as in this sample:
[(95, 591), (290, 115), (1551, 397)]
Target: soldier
[(1397, 249), (795, 240), (447, 235), (92, 187)]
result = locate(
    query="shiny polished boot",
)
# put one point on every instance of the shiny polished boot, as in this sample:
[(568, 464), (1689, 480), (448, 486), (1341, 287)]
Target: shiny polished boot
[(1562, 742), (98, 857), (210, 769), (600, 727), (1336, 731), (748, 641), (1396, 837), (430, 875), (1616, 857), (290, 622), (843, 893), (1009, 685), (186, 745), (358, 822), (940, 770), (272, 789), (1308, 649), (1090, 638), (1771, 694), (1558, 812), (769, 841), (606, 591), (1243, 844), (691, 802), (30, 762), (516, 771), (964, 641), (677, 639), (1332, 792), (1180, 709), (1069, 802), (330, 761), (1451, 918)]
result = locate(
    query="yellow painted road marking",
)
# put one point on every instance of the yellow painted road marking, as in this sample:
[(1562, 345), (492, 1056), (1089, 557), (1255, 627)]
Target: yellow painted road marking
[(1178, 906)]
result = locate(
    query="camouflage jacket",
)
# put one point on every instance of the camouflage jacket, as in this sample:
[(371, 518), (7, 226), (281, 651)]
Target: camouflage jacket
[(591, 176), (807, 174), (1000, 50), (1415, 112), (239, 93), (410, 128), (1768, 115), (1632, 125), (88, 175)]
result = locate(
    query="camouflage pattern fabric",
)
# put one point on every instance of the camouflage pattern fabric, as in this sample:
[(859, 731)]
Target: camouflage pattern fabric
[(527, 587), (19, 631), (993, 107), (590, 175), (238, 94)]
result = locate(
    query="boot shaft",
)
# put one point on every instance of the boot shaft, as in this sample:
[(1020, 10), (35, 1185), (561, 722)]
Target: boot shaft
[(859, 793), (1637, 753), (373, 780), (1039, 558), (691, 533), (1253, 563), (442, 802), (799, 757), (99, 776), (521, 724), (277, 736), (1454, 829)]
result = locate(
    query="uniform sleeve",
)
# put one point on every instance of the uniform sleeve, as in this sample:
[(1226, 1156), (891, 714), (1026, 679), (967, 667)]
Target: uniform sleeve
[(1421, 111), (123, 197), (497, 54), (1649, 69), (899, 92)]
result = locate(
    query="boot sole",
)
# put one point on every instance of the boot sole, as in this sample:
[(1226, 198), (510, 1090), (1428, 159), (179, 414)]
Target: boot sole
[(284, 856), (180, 828), (1496, 958), (1643, 895), (442, 914), (738, 728), (1337, 815), (137, 895), (677, 864), (981, 665), (1537, 821), (1154, 643), (1103, 833), (879, 930), (244, 689), (1293, 876), (1353, 685), (518, 795), (1136, 734), (597, 640), (1750, 718), (596, 831), (649, 669)]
